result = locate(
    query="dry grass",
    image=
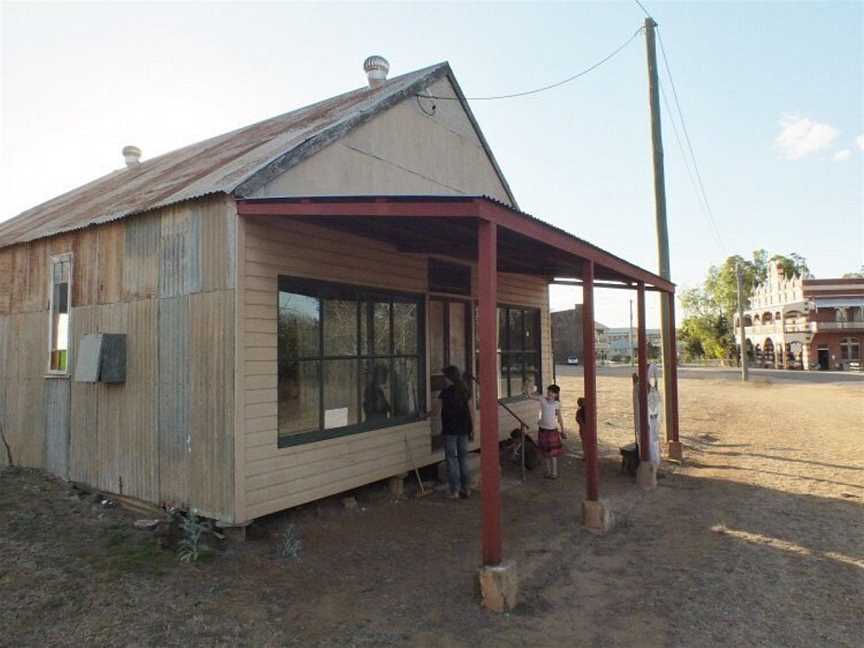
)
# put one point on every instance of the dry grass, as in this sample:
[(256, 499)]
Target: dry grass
[(758, 540)]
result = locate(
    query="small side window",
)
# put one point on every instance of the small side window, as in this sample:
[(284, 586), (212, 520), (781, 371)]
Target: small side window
[(58, 339)]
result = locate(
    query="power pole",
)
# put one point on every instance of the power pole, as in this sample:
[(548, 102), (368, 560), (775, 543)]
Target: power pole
[(660, 207), (743, 353)]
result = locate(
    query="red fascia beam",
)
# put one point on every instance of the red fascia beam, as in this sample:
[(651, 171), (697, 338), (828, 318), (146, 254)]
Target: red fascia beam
[(377, 207), (545, 234), (468, 208)]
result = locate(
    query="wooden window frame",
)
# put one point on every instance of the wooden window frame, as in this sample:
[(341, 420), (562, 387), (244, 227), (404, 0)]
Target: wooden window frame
[(359, 294), (503, 336), (847, 344), (52, 261)]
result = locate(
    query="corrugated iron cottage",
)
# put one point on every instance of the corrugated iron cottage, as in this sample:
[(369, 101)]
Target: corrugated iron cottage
[(263, 282)]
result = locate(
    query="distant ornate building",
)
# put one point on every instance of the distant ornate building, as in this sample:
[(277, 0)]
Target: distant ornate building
[(803, 323)]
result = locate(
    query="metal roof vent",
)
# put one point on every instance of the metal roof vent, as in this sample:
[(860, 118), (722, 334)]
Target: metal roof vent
[(132, 156), (376, 68)]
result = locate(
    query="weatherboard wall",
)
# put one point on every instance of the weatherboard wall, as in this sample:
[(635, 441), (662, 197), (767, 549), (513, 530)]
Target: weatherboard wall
[(272, 478), (165, 279), (409, 149)]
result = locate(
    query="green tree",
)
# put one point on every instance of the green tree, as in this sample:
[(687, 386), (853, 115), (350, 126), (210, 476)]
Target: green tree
[(707, 330), (793, 266), (855, 275)]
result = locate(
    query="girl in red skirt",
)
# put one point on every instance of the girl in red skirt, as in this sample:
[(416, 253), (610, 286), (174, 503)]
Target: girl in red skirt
[(551, 426)]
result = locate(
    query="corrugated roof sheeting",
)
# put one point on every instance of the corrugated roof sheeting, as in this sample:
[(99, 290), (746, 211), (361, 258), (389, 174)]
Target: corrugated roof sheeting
[(217, 165)]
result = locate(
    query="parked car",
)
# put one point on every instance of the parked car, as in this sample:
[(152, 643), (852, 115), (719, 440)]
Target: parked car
[(572, 360)]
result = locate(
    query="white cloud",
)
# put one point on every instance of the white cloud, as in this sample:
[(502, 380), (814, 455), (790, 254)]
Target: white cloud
[(860, 141), (800, 137), (842, 155)]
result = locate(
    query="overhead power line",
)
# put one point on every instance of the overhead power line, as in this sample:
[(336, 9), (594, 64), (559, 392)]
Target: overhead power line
[(704, 194), (573, 77), (698, 184), (642, 7), (690, 175)]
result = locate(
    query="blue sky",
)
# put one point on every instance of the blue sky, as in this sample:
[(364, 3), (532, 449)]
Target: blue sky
[(81, 81)]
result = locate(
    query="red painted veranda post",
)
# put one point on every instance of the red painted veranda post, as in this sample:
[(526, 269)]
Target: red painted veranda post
[(642, 338), (672, 415), (490, 469), (589, 372)]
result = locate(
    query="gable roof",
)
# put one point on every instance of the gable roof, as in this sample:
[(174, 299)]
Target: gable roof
[(238, 162)]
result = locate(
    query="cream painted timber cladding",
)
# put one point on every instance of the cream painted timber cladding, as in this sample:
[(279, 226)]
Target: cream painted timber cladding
[(400, 151), (277, 478), (165, 279)]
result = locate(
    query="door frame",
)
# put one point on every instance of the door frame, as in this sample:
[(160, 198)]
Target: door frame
[(827, 356)]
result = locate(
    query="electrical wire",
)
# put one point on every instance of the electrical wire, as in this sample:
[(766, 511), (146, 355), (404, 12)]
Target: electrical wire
[(698, 184), (690, 175), (642, 7), (548, 87), (709, 211)]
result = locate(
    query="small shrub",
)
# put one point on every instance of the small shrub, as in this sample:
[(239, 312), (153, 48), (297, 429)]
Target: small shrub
[(290, 543), (191, 548)]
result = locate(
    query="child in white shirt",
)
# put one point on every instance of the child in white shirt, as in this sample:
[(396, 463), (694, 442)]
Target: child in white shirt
[(551, 429)]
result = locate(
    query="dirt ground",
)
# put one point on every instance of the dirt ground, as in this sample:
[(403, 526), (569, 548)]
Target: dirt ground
[(756, 540)]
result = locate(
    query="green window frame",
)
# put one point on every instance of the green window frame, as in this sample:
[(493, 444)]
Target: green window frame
[(349, 359), (519, 350)]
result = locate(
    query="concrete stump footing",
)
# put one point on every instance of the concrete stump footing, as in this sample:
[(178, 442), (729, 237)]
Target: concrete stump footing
[(597, 516), (646, 476), (499, 586), (675, 450)]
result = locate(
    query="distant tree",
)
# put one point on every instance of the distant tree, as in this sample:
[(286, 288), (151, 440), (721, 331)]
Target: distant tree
[(855, 275), (707, 330)]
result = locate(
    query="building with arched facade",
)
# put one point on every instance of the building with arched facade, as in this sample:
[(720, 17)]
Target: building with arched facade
[(804, 323)]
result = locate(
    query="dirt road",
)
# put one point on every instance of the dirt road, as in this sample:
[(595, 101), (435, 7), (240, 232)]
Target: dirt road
[(757, 540)]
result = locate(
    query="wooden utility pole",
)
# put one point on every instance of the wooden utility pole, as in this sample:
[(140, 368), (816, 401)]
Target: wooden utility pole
[(743, 352), (666, 335)]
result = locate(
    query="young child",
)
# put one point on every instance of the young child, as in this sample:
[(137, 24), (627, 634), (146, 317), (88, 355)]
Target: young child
[(551, 426), (580, 421)]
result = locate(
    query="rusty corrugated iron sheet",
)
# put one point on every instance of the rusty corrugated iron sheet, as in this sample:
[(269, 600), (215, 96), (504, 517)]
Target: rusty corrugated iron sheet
[(241, 159)]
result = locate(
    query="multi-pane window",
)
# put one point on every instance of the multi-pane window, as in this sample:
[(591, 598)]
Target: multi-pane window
[(349, 359), (449, 335), (518, 350), (850, 349), (58, 341)]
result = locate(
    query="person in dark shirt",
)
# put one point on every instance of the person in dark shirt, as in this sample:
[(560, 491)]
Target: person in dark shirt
[(375, 403), (457, 428)]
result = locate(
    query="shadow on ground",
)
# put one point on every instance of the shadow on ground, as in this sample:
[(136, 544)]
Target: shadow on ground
[(698, 562)]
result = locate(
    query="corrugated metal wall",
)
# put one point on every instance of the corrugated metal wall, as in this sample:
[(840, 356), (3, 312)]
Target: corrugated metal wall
[(57, 427), (166, 280)]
